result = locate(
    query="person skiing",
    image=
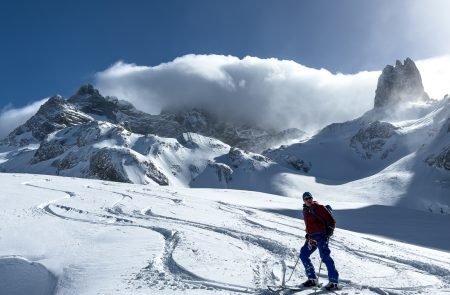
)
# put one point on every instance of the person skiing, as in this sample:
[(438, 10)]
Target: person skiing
[(320, 225)]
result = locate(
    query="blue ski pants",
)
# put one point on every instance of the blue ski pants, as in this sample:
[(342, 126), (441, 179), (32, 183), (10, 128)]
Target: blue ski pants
[(324, 250)]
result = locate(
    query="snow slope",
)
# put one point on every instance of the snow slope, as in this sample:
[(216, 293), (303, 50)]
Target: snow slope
[(98, 237), (397, 155)]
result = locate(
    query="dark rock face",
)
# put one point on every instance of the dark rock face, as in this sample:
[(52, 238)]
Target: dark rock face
[(237, 158), (68, 162), (103, 166), (299, 164), (106, 164), (372, 139), (89, 100), (398, 84), (155, 174), (55, 114), (48, 150), (442, 160)]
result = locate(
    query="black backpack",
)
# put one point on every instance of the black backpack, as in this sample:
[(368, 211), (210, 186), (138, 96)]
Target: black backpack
[(328, 208)]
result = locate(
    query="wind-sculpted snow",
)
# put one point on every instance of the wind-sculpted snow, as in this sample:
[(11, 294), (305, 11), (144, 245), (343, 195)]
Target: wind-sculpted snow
[(113, 238)]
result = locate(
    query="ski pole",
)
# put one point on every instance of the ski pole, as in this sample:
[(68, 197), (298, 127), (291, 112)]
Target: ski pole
[(320, 267), (293, 269), (318, 277)]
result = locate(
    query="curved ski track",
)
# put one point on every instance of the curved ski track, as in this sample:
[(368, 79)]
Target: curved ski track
[(163, 272)]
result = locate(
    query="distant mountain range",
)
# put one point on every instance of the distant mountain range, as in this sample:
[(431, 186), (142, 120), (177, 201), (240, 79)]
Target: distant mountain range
[(92, 136)]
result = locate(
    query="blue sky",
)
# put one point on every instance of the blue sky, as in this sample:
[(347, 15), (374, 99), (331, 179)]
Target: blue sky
[(49, 47), (52, 47)]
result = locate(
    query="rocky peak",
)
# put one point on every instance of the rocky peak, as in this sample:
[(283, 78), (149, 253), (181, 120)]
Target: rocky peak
[(86, 90), (54, 101), (399, 83), (55, 114), (90, 101)]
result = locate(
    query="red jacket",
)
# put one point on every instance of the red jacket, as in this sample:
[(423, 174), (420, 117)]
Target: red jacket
[(317, 222)]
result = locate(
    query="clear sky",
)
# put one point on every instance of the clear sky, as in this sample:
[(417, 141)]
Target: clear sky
[(54, 46)]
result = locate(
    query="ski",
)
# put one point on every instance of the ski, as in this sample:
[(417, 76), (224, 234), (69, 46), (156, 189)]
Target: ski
[(280, 288)]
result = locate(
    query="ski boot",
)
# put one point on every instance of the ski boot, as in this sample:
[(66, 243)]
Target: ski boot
[(309, 283), (331, 286)]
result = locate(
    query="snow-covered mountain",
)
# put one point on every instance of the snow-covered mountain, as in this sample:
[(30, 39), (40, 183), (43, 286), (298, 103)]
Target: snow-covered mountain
[(91, 136), (397, 138), (89, 105)]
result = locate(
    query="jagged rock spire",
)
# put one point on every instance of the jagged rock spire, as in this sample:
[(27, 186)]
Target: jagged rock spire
[(399, 83)]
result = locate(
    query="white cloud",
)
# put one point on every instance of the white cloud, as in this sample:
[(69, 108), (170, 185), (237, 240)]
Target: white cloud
[(273, 93), (10, 117), (435, 75)]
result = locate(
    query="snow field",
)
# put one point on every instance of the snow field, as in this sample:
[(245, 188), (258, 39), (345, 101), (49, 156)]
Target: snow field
[(99, 237)]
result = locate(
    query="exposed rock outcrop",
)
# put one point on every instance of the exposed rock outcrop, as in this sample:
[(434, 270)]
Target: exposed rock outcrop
[(399, 83), (372, 139), (442, 160), (53, 115)]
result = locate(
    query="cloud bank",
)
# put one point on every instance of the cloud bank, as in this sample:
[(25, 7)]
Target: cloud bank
[(271, 93), (11, 117)]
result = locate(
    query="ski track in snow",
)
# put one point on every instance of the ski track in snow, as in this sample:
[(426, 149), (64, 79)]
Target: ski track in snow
[(164, 272), (178, 276)]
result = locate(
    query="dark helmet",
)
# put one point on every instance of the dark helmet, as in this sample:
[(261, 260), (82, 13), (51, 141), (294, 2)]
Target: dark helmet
[(307, 195)]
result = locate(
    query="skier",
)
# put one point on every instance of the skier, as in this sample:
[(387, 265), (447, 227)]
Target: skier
[(320, 225)]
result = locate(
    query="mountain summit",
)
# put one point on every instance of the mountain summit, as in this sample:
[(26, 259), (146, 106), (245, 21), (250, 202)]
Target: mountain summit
[(399, 83)]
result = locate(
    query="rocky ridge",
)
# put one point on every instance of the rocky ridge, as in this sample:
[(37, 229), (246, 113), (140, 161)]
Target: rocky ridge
[(88, 105)]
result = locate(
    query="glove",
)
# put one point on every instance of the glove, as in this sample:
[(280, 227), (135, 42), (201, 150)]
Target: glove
[(307, 236), (330, 231), (312, 244)]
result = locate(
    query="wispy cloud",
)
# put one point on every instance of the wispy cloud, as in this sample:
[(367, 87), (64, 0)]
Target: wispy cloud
[(11, 117), (270, 92)]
